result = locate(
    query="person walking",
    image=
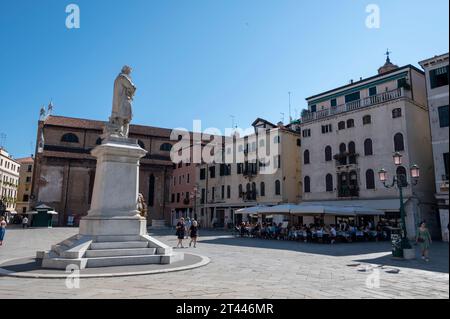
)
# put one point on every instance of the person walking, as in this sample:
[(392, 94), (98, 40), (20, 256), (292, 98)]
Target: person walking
[(193, 231), (188, 226), (181, 229), (2, 229), (25, 222), (423, 238)]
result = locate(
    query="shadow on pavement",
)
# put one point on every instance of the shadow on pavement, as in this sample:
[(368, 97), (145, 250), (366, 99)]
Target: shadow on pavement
[(439, 253)]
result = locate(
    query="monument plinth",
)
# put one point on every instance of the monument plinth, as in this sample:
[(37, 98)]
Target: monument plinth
[(113, 233), (116, 189)]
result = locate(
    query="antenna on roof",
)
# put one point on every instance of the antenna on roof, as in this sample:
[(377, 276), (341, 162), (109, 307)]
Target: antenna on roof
[(233, 123), (2, 140), (290, 117)]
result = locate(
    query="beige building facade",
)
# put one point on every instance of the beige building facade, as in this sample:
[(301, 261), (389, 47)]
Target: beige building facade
[(264, 169), (437, 76), (25, 183), (351, 132)]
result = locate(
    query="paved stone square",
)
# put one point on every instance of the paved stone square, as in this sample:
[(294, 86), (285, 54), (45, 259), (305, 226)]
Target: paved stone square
[(246, 268)]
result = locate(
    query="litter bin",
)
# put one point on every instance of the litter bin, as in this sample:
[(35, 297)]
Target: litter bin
[(396, 241)]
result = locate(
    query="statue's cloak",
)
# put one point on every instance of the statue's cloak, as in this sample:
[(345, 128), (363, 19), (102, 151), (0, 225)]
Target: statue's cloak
[(123, 92)]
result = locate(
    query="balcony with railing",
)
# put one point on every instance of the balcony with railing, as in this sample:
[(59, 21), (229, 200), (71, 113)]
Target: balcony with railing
[(355, 105)]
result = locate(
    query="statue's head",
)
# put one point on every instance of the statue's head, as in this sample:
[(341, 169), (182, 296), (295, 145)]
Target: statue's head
[(126, 69)]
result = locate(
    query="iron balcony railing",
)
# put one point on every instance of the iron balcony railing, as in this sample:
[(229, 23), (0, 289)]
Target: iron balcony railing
[(355, 105)]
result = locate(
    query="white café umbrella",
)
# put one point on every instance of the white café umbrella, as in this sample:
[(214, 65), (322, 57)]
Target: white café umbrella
[(249, 210)]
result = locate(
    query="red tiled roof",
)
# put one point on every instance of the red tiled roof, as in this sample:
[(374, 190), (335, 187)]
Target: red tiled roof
[(98, 125), (25, 160)]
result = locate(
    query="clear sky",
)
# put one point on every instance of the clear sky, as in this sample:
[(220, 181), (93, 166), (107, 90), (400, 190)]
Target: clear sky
[(198, 59)]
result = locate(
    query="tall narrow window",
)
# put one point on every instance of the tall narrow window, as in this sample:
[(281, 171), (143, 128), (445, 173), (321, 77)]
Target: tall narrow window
[(329, 182), (328, 153), (399, 144), (228, 191), (277, 187), (306, 157), (307, 184), (240, 190), (370, 179), (368, 147), (262, 190), (351, 148), (443, 116)]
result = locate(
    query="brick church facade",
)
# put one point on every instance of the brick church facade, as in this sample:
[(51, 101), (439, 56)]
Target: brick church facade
[(65, 170)]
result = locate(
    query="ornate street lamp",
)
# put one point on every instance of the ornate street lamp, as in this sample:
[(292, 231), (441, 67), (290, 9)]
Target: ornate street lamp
[(400, 181), (397, 158)]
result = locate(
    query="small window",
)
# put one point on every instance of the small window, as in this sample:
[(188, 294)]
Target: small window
[(396, 113), (342, 148), (299, 142), (212, 172), (329, 182), (202, 174), (368, 149), (372, 91), (99, 141), (277, 187), (399, 144), (307, 184), (439, 77), (262, 189), (306, 157), (367, 119), (328, 154), (70, 138), (228, 191), (350, 123), (166, 147), (352, 148), (327, 128), (443, 116), (370, 179), (306, 133), (352, 97), (333, 102), (341, 125), (313, 108)]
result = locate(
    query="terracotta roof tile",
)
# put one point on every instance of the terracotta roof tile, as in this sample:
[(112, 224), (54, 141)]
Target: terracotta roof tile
[(98, 125)]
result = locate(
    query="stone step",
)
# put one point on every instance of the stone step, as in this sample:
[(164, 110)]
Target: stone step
[(122, 261), (119, 245), (120, 252), (117, 238)]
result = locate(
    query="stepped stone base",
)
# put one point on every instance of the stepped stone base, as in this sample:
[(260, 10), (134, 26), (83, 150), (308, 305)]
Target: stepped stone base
[(104, 251)]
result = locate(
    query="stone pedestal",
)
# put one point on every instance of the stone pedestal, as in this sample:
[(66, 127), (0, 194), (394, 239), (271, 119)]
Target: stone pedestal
[(116, 188), (113, 233)]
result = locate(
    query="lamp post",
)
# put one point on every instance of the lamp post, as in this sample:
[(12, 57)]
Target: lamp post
[(401, 181)]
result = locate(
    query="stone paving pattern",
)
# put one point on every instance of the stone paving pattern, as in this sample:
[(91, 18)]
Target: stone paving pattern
[(244, 268)]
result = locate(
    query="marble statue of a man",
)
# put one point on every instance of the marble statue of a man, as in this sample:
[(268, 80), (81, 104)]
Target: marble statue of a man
[(124, 90)]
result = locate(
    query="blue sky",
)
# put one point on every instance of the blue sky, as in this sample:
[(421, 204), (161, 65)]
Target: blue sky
[(198, 59)]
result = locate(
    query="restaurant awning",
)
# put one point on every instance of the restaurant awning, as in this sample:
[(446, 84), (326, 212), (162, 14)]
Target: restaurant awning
[(278, 209), (249, 210)]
